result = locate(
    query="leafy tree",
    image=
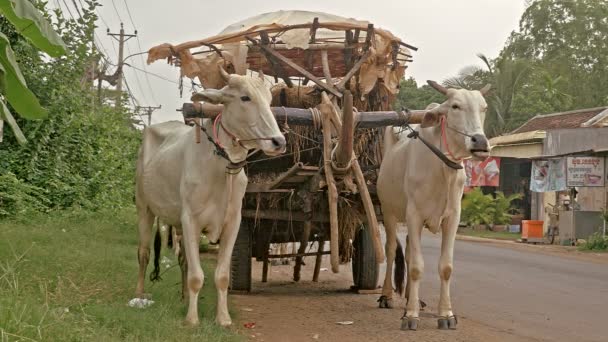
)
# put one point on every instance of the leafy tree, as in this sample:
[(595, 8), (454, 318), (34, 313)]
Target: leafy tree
[(505, 76), (13, 87), (83, 154), (567, 39), (412, 97)]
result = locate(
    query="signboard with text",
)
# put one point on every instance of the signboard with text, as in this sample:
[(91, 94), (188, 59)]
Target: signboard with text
[(585, 171)]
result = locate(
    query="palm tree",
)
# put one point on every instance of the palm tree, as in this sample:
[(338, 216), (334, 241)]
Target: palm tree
[(505, 75)]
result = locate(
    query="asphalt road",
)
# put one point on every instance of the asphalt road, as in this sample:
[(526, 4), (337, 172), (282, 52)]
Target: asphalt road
[(547, 297), (500, 293)]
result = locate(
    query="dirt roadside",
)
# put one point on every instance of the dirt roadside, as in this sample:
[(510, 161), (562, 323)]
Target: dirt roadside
[(283, 310)]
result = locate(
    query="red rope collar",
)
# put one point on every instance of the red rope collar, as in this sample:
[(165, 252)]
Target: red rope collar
[(444, 138)]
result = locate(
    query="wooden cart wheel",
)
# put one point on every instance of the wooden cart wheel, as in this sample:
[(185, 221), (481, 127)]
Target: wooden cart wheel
[(365, 267), (240, 266)]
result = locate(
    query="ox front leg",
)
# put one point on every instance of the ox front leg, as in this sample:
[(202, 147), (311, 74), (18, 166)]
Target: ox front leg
[(222, 271), (390, 227), (415, 271), (195, 277), (447, 320)]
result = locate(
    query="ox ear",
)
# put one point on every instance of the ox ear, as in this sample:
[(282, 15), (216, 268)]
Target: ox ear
[(485, 89), (432, 117), (209, 95)]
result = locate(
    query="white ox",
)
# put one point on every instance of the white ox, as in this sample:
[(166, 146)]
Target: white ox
[(417, 188), (189, 185)]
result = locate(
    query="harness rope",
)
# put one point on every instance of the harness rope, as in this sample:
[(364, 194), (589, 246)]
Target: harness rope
[(232, 167), (447, 161), (444, 138)]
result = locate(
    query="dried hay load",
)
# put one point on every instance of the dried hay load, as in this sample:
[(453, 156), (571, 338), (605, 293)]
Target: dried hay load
[(295, 97)]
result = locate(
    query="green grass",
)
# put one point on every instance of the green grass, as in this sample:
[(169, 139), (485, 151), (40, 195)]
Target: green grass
[(68, 277), (490, 234)]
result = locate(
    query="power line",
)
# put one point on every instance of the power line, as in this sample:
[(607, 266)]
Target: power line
[(67, 8), (131, 96), (151, 73), (129, 12), (141, 58), (137, 80), (116, 10), (77, 10), (102, 19)]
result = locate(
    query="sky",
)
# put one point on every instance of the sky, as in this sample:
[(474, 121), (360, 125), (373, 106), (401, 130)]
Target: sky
[(448, 33)]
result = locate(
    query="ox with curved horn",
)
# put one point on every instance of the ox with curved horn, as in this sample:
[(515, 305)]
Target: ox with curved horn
[(188, 185), (410, 178)]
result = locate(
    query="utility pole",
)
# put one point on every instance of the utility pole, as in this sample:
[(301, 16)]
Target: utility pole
[(148, 111), (122, 38)]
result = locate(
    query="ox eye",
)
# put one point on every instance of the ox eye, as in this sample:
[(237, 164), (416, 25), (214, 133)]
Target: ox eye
[(245, 98), (455, 107)]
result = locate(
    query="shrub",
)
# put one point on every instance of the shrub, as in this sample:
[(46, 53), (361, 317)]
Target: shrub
[(503, 211), (17, 197), (477, 208), (595, 242)]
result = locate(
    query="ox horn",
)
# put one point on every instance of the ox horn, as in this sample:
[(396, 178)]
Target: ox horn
[(485, 89), (225, 75), (438, 87)]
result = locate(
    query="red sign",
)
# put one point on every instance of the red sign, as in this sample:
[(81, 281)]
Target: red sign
[(482, 173)]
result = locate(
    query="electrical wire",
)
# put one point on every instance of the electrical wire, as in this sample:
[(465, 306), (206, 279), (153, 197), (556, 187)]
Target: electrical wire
[(151, 73), (129, 12), (116, 10)]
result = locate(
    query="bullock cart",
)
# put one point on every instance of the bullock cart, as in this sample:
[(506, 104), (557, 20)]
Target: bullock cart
[(334, 80)]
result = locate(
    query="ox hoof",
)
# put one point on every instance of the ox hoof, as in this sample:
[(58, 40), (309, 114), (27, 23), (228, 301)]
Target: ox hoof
[(385, 303), (409, 323), (143, 295), (446, 323), (224, 322), (190, 322)]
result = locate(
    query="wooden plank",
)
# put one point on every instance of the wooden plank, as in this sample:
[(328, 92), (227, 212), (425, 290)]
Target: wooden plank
[(284, 176), (408, 46), (263, 187), (353, 70), (275, 256), (284, 215), (276, 65), (301, 70), (308, 53), (302, 250), (318, 260)]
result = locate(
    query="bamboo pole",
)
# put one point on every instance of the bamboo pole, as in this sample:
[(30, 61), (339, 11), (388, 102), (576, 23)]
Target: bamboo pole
[(372, 221), (332, 193)]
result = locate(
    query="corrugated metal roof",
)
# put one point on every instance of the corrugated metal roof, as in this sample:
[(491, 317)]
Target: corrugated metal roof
[(571, 119), (533, 136)]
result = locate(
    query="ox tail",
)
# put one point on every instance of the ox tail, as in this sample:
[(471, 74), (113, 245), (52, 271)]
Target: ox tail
[(390, 139), (155, 275), (170, 237), (400, 269)]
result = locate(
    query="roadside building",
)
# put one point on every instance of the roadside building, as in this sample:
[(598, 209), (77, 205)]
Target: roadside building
[(558, 159)]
